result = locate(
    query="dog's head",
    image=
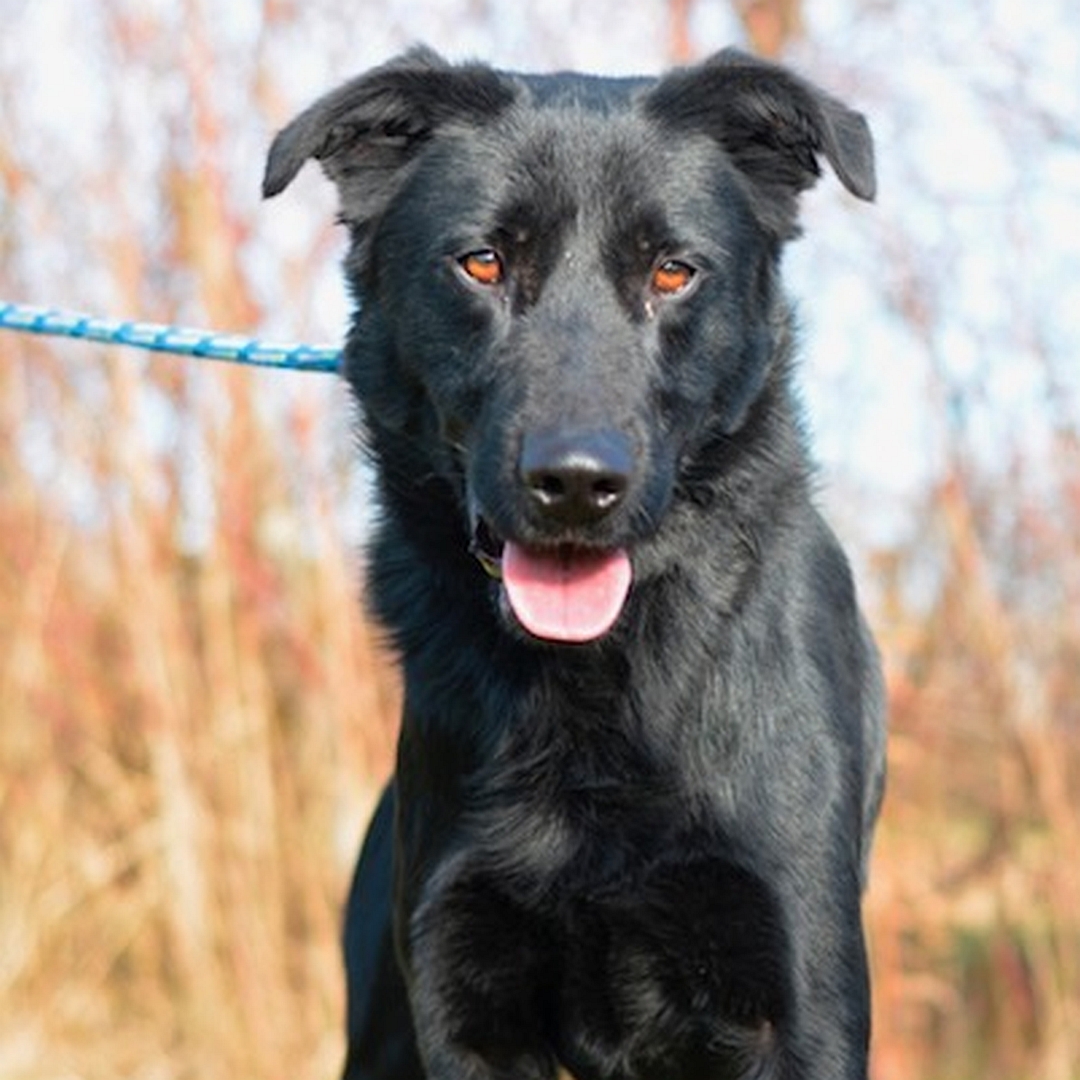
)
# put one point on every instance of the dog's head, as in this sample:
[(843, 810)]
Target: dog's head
[(567, 295)]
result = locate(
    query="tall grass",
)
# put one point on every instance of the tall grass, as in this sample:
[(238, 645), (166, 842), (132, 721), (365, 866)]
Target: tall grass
[(188, 746), (975, 901), (194, 714), (189, 743), (187, 749)]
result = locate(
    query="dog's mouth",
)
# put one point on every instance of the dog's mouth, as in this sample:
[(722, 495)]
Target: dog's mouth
[(565, 593)]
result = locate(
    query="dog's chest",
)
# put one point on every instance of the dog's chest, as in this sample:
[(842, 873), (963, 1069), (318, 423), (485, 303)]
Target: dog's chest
[(580, 819), (624, 946), (604, 904)]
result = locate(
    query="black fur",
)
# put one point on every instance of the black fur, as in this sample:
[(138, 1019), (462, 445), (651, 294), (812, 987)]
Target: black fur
[(640, 857)]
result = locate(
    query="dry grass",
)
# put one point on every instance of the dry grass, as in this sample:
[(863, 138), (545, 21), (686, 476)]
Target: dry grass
[(194, 715), (975, 903), (188, 746), (183, 738), (190, 741)]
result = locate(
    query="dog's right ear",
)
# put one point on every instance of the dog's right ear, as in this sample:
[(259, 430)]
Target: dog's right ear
[(366, 132)]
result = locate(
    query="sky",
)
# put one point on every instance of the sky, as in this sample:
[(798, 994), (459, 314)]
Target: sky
[(944, 312)]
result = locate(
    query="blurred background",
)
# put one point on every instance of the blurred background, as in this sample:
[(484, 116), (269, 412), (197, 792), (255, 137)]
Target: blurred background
[(194, 714)]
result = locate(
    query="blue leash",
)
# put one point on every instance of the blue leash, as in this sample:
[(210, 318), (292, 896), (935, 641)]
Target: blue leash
[(180, 341)]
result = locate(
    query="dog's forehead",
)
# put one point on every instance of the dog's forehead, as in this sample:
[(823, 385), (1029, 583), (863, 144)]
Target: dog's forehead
[(579, 134), (575, 158), (595, 93), (582, 145)]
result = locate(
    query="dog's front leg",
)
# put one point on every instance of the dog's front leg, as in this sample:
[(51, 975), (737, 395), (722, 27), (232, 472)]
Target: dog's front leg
[(832, 1015), (478, 969), (381, 1042)]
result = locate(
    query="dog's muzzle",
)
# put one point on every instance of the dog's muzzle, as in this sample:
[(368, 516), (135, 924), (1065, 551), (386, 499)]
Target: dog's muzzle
[(560, 590)]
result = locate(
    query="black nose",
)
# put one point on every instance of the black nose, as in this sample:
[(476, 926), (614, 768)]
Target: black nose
[(576, 477)]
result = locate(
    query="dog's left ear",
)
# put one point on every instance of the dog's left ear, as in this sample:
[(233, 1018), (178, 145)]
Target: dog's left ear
[(773, 125)]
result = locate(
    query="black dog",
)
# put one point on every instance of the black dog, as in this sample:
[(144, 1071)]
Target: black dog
[(641, 752)]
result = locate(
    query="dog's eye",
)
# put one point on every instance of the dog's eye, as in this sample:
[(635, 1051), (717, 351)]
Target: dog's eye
[(671, 277), (483, 266)]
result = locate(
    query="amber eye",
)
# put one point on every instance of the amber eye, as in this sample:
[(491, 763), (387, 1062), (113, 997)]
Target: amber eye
[(483, 266), (671, 277)]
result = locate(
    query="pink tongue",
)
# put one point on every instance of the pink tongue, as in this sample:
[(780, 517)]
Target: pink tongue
[(566, 596)]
